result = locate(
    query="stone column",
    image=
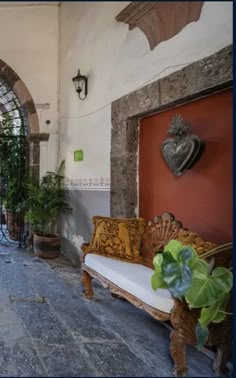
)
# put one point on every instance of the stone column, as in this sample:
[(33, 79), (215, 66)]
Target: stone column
[(34, 152)]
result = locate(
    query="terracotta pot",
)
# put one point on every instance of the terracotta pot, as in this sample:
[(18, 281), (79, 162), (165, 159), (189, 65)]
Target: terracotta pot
[(47, 247)]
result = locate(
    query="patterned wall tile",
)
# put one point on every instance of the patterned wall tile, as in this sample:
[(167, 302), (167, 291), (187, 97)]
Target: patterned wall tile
[(90, 183)]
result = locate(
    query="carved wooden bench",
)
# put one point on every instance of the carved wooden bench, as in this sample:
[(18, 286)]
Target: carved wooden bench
[(123, 279)]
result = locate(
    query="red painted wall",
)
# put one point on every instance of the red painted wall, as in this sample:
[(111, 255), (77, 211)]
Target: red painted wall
[(202, 197)]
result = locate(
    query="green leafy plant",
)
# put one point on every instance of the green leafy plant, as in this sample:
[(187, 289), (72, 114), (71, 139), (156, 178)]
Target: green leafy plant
[(191, 278), (13, 168), (46, 200)]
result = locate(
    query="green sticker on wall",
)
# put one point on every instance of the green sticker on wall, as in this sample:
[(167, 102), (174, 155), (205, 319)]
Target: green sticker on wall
[(78, 155)]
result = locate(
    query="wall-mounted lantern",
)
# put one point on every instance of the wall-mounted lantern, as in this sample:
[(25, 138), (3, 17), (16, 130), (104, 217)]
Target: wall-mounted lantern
[(81, 85)]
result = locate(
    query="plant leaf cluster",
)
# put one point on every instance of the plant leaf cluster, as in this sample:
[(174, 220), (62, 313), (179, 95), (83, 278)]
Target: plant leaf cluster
[(13, 167), (188, 276), (46, 201)]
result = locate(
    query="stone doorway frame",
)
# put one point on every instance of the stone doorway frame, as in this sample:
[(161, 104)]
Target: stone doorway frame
[(204, 77), (34, 136)]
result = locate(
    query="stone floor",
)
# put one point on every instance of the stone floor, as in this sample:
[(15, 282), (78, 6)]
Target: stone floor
[(48, 329)]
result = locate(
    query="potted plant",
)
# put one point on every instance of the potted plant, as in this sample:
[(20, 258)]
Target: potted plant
[(195, 280), (46, 201)]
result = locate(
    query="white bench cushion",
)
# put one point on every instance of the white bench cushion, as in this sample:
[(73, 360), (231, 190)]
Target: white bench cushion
[(133, 278)]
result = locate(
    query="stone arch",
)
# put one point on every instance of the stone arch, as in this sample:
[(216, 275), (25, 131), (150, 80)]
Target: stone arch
[(23, 95), (31, 117)]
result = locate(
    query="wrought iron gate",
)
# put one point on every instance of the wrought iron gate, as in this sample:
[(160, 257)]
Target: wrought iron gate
[(13, 167)]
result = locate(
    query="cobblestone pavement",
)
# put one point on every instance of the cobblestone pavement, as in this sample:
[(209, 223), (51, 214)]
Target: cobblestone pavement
[(48, 329)]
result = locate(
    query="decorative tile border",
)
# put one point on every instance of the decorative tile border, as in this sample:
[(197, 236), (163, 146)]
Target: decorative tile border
[(91, 183)]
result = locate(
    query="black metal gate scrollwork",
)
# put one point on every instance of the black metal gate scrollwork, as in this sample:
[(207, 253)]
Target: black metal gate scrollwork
[(13, 167)]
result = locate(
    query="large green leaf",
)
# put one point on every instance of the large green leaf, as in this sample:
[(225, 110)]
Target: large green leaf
[(176, 273), (157, 261), (157, 281), (213, 313), (206, 289), (202, 335), (185, 255), (173, 247), (199, 267)]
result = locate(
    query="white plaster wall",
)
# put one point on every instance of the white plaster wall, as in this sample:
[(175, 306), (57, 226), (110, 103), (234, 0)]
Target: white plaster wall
[(29, 44), (118, 61)]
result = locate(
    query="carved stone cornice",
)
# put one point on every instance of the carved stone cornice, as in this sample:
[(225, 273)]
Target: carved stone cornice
[(160, 20)]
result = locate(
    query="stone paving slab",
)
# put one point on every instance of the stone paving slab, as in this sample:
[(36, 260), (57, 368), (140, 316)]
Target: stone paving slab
[(117, 360), (17, 355), (65, 360), (69, 336)]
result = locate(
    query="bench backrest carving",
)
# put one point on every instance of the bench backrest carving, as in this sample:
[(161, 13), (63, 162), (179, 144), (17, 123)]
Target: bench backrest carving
[(163, 228), (156, 235)]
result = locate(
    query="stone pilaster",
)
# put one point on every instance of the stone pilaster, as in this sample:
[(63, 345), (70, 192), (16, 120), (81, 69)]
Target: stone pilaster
[(34, 152)]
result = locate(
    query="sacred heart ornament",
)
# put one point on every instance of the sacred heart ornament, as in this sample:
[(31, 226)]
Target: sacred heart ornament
[(182, 150)]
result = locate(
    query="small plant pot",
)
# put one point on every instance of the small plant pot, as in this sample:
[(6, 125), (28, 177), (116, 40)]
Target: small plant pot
[(47, 247)]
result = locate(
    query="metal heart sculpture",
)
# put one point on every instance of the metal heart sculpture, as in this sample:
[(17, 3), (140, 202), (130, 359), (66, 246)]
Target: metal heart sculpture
[(182, 151)]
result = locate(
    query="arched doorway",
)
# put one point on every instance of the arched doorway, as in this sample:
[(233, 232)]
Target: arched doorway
[(13, 165), (18, 121)]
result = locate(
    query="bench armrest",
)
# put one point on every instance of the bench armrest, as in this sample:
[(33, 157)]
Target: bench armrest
[(85, 247)]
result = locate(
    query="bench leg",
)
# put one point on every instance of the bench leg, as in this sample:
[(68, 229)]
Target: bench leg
[(220, 336), (223, 353), (178, 353), (184, 323), (87, 282)]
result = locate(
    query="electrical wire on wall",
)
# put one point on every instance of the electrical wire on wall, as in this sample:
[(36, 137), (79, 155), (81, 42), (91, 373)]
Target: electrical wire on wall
[(182, 65)]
